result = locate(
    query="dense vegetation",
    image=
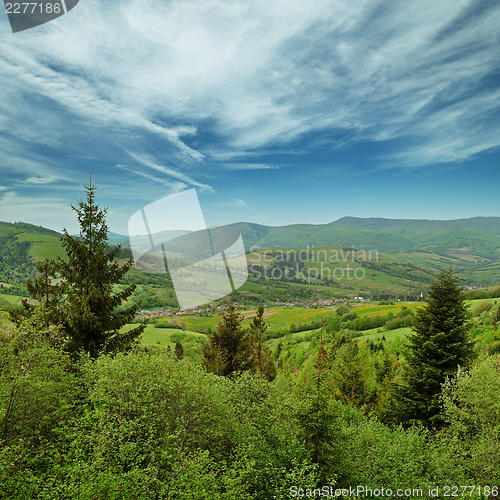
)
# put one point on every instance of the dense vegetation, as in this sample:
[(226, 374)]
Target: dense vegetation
[(334, 402), (146, 425)]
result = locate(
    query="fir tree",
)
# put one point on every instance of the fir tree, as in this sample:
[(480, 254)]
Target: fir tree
[(89, 312), (438, 345), (47, 290), (263, 361), (229, 351), (179, 350), (317, 420)]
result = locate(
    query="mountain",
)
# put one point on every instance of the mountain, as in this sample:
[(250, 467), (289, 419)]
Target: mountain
[(480, 235), (471, 245)]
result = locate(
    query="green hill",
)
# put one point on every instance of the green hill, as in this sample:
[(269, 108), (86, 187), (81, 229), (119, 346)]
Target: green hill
[(409, 252), (481, 234)]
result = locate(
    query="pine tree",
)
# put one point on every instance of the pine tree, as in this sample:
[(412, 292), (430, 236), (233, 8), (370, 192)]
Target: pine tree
[(229, 351), (438, 345), (317, 420), (179, 350), (89, 313), (263, 361), (47, 290)]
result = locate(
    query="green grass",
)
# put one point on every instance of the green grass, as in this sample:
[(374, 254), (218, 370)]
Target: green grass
[(389, 335), (162, 338), (11, 299), (4, 319), (474, 304), (383, 310)]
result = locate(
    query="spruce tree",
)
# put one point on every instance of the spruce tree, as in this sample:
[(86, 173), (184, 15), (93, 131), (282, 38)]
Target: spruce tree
[(439, 344), (317, 420), (263, 361), (179, 350), (89, 312), (229, 350)]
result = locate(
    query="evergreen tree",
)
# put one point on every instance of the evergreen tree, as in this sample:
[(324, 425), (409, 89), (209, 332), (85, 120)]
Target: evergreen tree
[(229, 351), (349, 370), (263, 361), (438, 345), (47, 290), (90, 317), (317, 421), (88, 313), (179, 351)]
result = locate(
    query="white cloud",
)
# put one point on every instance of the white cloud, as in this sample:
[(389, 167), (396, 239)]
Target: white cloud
[(170, 172), (262, 74), (40, 180), (249, 166), (237, 202)]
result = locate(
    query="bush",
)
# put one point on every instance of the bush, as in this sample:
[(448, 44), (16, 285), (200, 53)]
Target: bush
[(165, 323), (481, 308), (469, 448)]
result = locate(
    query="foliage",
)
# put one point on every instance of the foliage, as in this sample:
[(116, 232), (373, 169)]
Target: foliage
[(89, 314), (317, 419), (349, 374), (229, 350), (34, 381), (469, 448), (376, 456), (179, 351), (482, 307), (262, 359), (150, 427), (439, 344)]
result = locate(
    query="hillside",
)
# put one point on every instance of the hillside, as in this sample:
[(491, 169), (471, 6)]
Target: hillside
[(481, 234), (405, 254)]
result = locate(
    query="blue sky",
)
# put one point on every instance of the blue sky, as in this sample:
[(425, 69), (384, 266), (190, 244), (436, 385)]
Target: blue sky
[(276, 111)]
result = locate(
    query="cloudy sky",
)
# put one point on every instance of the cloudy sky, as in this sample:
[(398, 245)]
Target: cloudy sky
[(276, 111)]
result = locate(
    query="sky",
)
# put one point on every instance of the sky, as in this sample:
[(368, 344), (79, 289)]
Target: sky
[(275, 111)]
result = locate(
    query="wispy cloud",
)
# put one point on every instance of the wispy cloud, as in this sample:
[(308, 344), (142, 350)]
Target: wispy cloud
[(199, 88), (249, 166), (275, 72), (236, 202), (167, 171), (40, 180), (173, 186)]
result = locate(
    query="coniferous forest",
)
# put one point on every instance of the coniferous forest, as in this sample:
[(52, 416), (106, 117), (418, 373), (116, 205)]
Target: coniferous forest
[(88, 412)]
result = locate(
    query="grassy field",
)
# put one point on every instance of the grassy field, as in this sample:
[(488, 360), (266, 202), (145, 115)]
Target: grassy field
[(277, 318), (474, 304), (42, 246), (373, 309), (389, 335), (163, 338), (11, 299), (4, 319)]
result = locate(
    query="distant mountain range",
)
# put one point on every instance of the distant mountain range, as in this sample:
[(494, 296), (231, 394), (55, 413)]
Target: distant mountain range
[(479, 236), (472, 245)]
